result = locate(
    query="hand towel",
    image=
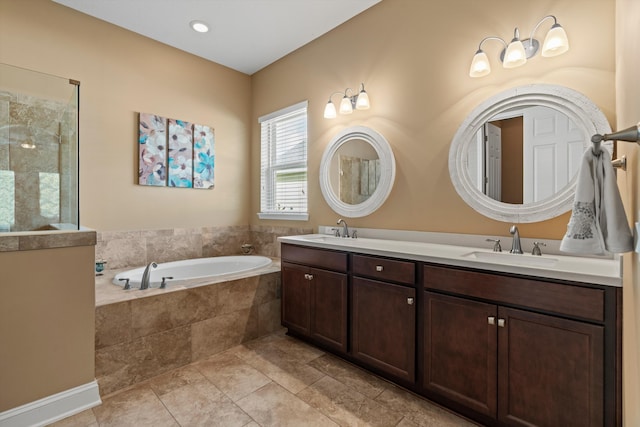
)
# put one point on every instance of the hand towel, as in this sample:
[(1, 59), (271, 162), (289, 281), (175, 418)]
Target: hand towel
[(598, 223)]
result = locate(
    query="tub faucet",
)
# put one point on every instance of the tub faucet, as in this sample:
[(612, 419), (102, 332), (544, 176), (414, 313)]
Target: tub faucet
[(146, 276), (345, 229), (515, 244)]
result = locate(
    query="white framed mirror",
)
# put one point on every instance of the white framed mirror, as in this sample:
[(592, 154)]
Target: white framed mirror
[(516, 156), (357, 171)]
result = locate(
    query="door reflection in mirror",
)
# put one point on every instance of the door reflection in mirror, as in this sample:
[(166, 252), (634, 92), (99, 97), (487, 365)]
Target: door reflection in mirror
[(525, 155)]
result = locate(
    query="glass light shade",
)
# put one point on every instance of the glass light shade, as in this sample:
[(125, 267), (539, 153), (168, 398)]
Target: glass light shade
[(556, 42), (480, 65), (329, 110), (363, 101), (345, 105), (515, 55)]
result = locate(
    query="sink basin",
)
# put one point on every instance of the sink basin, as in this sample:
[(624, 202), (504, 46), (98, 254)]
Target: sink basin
[(513, 259)]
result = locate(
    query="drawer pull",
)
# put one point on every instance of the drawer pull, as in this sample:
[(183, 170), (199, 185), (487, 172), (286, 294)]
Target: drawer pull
[(379, 268), (491, 320), (410, 301), (501, 323)]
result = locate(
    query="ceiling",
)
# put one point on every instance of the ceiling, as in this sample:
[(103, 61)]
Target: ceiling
[(245, 35)]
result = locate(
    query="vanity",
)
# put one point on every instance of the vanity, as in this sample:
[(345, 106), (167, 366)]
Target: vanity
[(501, 342), (503, 339)]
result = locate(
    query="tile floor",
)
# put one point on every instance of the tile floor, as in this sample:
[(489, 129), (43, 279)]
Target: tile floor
[(272, 381)]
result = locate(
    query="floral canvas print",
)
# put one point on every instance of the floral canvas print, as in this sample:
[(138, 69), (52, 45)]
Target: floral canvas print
[(152, 140), (180, 153), (203, 158)]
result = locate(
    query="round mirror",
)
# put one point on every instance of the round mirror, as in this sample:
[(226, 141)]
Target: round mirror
[(516, 156), (357, 172)]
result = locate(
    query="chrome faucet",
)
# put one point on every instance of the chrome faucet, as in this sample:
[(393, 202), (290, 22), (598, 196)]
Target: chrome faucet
[(146, 276), (515, 244), (345, 229)]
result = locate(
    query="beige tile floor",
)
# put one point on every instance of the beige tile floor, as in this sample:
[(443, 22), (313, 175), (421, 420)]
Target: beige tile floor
[(272, 381)]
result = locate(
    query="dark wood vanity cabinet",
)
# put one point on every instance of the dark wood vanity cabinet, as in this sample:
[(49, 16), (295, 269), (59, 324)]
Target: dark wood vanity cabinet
[(502, 349), (314, 295), (383, 315), (547, 366)]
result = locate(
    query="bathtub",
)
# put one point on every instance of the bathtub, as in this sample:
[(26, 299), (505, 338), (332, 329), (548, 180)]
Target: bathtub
[(193, 269)]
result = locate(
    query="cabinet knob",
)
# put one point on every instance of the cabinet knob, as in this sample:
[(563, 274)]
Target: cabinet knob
[(491, 320), (410, 301), (501, 323), (308, 276), (379, 268)]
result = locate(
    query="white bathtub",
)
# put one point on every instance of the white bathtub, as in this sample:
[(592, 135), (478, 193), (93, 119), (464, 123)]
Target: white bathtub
[(192, 269)]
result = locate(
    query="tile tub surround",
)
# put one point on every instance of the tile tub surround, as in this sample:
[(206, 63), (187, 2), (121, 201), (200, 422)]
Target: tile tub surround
[(274, 380), (135, 248), (142, 334)]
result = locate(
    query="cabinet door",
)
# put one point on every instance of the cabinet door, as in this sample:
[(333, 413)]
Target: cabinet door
[(329, 308), (551, 371), (460, 359), (383, 326), (296, 299)]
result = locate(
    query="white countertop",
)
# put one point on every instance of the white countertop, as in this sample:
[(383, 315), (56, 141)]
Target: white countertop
[(601, 271)]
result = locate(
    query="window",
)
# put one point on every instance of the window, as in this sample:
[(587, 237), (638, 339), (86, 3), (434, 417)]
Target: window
[(283, 164), (50, 195), (7, 200)]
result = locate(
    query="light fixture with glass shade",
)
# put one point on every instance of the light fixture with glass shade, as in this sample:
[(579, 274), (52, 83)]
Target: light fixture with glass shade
[(357, 101), (517, 52)]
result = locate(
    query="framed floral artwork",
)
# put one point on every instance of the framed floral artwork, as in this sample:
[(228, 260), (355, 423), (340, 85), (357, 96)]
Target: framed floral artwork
[(152, 150), (174, 153), (203, 158)]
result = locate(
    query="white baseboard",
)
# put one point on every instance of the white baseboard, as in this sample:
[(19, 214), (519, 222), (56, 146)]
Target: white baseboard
[(53, 408)]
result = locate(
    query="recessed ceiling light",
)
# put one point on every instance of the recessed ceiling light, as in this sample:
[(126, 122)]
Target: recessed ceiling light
[(199, 26)]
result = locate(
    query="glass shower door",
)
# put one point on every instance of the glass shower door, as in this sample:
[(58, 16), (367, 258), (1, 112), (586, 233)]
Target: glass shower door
[(38, 151)]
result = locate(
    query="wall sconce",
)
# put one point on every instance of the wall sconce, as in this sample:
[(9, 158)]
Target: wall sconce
[(359, 101), (518, 51)]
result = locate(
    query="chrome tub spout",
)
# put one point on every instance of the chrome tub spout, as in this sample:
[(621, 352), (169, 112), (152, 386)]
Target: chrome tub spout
[(146, 276)]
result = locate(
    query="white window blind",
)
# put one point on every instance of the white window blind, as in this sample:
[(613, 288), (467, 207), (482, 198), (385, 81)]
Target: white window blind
[(283, 164)]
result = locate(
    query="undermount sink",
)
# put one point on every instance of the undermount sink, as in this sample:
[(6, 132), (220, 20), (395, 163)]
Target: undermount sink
[(513, 259)]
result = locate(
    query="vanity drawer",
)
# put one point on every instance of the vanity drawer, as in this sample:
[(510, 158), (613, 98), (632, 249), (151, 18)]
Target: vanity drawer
[(384, 269), (313, 257), (564, 299)]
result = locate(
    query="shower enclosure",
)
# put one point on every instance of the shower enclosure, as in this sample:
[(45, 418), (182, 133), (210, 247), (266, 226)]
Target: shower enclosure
[(38, 151)]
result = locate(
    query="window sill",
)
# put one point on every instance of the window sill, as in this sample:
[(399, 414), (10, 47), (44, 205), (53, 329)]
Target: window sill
[(284, 216)]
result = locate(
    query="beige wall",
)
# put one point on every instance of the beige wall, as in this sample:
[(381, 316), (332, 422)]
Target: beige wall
[(46, 323), (628, 111), (122, 74), (414, 57)]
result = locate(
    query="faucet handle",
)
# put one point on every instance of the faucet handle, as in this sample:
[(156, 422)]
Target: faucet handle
[(496, 246), (126, 284), (164, 281), (536, 249), (336, 232), (354, 234)]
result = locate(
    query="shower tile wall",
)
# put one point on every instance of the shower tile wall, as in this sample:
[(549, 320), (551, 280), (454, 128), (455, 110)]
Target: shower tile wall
[(46, 124), (126, 249)]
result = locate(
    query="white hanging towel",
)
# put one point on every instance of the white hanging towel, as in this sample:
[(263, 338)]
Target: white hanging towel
[(598, 222)]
